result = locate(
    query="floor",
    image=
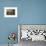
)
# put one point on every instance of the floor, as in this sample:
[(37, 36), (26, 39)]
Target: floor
[(7, 45), (30, 43)]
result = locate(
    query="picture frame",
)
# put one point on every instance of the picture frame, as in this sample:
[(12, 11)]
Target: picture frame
[(10, 12)]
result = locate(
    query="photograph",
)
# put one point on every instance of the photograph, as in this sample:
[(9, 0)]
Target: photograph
[(10, 11)]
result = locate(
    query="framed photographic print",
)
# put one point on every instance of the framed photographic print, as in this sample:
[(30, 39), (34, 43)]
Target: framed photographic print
[(10, 12)]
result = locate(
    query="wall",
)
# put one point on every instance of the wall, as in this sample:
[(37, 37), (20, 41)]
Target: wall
[(29, 12)]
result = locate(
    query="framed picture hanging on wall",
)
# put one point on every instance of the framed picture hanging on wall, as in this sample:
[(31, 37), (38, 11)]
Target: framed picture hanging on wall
[(10, 12)]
